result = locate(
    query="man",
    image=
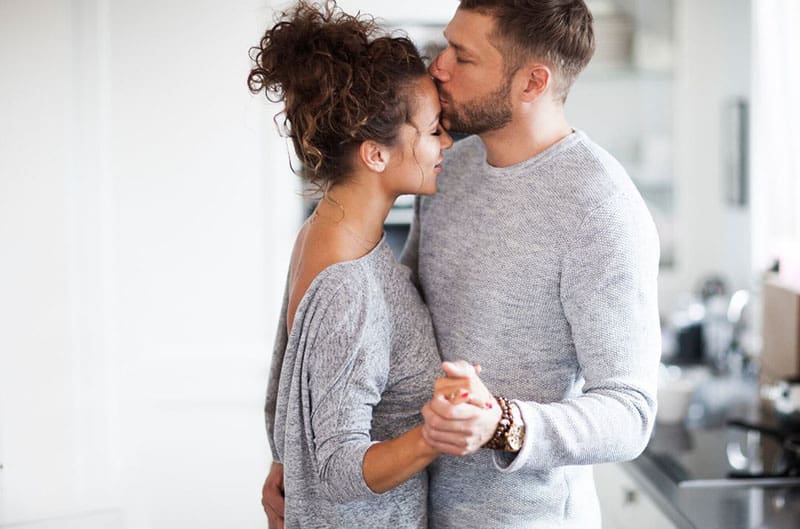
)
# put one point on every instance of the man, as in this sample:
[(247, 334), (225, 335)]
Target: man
[(538, 260)]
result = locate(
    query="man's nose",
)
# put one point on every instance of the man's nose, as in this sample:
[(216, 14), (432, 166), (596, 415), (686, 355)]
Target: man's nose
[(447, 140), (436, 70)]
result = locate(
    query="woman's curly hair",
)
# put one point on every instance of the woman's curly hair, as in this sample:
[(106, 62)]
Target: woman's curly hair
[(342, 82)]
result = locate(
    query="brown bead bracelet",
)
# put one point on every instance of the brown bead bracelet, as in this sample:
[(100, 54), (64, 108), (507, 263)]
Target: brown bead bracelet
[(498, 440)]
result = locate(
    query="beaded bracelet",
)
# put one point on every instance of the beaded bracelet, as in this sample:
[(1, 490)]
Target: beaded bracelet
[(498, 440)]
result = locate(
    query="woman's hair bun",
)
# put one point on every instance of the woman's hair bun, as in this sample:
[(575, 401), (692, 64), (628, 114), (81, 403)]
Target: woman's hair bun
[(341, 81)]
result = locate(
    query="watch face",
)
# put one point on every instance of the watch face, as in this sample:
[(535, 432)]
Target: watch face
[(515, 437)]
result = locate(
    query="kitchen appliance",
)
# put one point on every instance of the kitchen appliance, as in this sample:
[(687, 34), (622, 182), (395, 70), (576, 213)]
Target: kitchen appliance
[(780, 356), (682, 336), (740, 454), (782, 402), (786, 463), (676, 387), (745, 446)]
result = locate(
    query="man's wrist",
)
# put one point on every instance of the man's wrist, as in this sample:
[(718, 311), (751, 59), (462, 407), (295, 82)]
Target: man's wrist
[(497, 440), (509, 433), (516, 436)]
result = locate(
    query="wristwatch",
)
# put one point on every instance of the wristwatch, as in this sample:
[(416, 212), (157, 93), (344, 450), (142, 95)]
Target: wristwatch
[(510, 432), (516, 433)]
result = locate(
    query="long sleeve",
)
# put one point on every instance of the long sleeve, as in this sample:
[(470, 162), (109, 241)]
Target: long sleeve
[(347, 370), (279, 349), (608, 292)]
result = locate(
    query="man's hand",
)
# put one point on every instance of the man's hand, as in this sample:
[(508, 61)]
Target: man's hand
[(462, 415), (272, 496)]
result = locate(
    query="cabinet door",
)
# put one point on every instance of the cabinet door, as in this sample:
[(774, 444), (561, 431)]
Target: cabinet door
[(623, 503)]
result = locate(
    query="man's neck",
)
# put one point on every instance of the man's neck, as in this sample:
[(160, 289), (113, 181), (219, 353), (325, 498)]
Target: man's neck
[(522, 139)]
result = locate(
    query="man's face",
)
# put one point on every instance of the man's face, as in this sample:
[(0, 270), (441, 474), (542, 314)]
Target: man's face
[(469, 74)]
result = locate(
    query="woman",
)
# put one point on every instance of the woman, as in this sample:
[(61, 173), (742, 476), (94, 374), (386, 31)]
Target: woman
[(355, 357)]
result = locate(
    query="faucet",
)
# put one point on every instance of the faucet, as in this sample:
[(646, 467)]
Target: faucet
[(734, 356)]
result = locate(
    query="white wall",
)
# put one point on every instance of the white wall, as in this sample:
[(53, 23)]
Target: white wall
[(39, 392), (712, 67), (776, 137), (146, 215)]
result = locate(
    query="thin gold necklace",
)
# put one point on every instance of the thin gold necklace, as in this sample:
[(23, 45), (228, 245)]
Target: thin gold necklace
[(365, 243)]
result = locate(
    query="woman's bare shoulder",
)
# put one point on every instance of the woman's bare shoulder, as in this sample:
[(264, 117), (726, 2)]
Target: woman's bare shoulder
[(316, 249)]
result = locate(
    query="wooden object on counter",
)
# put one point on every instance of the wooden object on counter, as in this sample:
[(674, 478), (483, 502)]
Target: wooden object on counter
[(780, 356)]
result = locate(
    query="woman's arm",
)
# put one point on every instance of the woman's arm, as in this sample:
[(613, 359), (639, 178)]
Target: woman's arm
[(347, 370), (389, 463)]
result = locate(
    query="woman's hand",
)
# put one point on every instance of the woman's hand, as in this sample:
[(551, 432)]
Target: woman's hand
[(463, 385), (463, 424)]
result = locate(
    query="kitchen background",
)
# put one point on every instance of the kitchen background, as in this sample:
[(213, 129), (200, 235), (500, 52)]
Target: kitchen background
[(147, 213)]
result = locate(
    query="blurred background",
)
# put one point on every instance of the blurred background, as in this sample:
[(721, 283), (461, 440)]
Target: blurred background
[(147, 212)]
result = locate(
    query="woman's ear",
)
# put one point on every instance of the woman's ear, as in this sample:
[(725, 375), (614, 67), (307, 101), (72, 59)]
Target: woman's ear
[(374, 155), (538, 79)]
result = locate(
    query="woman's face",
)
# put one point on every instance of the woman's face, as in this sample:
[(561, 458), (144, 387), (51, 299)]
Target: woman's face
[(417, 157)]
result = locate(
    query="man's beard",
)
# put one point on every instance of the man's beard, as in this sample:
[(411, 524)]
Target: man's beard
[(488, 113)]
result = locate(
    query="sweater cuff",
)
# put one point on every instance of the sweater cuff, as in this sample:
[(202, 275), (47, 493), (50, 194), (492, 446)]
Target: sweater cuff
[(345, 480), (508, 462)]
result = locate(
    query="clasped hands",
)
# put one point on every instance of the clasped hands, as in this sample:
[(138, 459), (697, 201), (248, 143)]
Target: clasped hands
[(462, 415)]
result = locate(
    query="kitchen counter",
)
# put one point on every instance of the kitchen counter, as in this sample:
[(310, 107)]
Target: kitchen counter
[(748, 507), (684, 472)]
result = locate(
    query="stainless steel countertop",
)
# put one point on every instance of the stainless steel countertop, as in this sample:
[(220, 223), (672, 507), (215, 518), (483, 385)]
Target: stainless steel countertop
[(695, 502), (717, 507), (701, 503)]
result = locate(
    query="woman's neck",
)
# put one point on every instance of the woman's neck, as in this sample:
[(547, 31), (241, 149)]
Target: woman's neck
[(356, 208)]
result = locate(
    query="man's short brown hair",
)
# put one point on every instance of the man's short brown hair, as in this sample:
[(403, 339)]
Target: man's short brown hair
[(558, 32)]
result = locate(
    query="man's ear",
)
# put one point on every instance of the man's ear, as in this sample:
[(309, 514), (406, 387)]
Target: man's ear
[(538, 78), (374, 155)]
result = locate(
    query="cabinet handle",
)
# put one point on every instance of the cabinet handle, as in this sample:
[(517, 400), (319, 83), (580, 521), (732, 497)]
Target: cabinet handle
[(631, 496)]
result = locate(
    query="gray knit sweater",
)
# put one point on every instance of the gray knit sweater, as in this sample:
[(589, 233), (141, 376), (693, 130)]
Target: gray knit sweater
[(545, 274), (357, 367)]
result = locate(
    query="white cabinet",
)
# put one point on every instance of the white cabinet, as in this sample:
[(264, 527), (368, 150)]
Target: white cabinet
[(622, 502)]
